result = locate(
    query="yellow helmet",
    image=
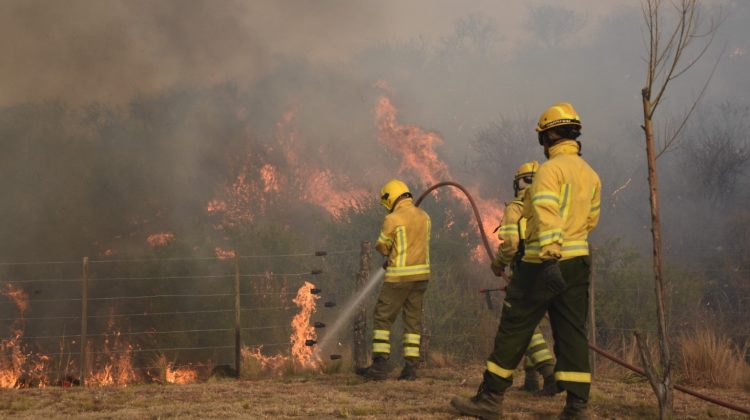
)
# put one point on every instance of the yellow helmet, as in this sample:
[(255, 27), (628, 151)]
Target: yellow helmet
[(528, 169), (391, 192), (557, 115)]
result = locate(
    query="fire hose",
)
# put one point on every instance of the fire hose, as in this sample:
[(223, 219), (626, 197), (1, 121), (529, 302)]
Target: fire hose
[(596, 349)]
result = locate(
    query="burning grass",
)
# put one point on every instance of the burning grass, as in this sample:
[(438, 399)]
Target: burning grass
[(112, 360)]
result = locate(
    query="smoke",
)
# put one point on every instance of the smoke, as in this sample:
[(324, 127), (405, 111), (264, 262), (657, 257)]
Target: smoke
[(84, 50), (142, 111), (122, 122)]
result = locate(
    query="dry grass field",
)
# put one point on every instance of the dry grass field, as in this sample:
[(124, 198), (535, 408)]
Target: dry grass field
[(340, 395)]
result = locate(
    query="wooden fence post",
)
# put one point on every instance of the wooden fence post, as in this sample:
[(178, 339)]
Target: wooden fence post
[(84, 319), (237, 324), (361, 349)]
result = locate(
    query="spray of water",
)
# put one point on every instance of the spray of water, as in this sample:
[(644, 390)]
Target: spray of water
[(354, 301)]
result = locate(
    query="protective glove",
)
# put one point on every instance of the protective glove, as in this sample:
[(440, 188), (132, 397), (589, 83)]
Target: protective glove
[(498, 268), (552, 276)]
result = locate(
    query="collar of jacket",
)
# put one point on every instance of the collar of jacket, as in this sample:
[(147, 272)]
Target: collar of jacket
[(564, 147), (403, 202)]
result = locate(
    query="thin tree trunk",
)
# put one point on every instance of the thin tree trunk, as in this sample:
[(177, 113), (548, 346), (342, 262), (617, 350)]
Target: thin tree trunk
[(662, 286)]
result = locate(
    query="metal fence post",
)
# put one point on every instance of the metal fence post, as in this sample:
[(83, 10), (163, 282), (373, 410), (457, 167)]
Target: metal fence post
[(360, 350), (237, 324), (84, 319)]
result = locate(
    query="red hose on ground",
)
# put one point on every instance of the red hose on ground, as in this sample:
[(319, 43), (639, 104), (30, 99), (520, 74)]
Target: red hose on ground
[(598, 350)]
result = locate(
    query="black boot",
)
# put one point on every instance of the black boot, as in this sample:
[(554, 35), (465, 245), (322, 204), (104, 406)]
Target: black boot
[(486, 404), (409, 372), (575, 408), (549, 389), (530, 381), (378, 370)]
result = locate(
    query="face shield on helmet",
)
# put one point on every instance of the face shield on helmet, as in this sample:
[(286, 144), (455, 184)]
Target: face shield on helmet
[(524, 175), (391, 192)]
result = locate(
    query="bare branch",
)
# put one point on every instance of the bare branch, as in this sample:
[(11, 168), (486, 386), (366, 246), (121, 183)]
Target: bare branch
[(676, 134), (676, 50)]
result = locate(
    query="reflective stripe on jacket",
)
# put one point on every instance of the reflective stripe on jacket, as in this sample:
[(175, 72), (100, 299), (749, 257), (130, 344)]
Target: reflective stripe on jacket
[(405, 240), (565, 199), (511, 231)]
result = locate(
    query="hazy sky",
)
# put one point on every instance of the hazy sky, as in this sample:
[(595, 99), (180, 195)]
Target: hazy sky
[(92, 50)]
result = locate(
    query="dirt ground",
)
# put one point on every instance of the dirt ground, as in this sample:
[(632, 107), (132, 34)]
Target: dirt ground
[(338, 396)]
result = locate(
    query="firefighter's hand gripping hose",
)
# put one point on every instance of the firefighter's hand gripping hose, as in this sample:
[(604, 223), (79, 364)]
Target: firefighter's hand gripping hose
[(598, 350)]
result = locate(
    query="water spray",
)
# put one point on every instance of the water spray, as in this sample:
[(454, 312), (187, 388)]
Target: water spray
[(354, 302)]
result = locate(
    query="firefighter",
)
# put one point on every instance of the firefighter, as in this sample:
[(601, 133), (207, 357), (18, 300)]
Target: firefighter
[(511, 233), (405, 242), (553, 275)]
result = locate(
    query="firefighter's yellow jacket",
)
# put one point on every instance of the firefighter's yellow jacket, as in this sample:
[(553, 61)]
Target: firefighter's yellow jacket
[(512, 229), (405, 240), (565, 199)]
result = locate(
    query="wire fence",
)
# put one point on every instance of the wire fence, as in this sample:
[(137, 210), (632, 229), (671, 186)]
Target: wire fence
[(186, 309), (60, 316)]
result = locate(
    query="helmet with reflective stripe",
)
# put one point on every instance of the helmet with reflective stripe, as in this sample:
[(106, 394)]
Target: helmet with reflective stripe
[(391, 192), (557, 115), (528, 169)]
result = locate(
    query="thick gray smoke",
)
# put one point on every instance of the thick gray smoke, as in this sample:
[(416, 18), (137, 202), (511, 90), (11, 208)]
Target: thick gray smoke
[(140, 109), (124, 119)]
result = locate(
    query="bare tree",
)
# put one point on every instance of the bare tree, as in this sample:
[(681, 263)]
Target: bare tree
[(501, 146), (718, 149), (667, 60)]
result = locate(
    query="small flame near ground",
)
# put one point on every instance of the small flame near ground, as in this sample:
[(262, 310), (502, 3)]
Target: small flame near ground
[(20, 368), (302, 354), (303, 357), (116, 356)]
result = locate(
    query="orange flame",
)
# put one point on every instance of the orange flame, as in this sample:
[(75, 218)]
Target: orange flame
[(320, 187), (302, 354), (268, 364), (417, 150), (224, 254), (182, 375), (18, 296), (259, 185), (19, 368), (216, 206), (270, 176), (159, 239), (116, 357)]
